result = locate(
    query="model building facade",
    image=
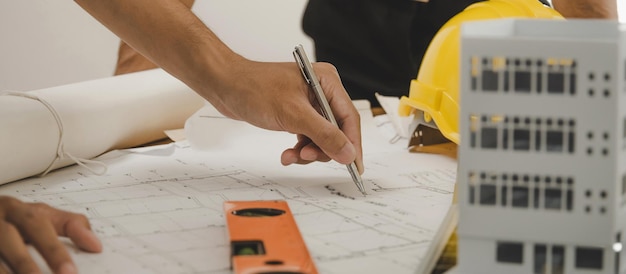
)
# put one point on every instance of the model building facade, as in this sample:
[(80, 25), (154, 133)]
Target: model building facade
[(542, 159)]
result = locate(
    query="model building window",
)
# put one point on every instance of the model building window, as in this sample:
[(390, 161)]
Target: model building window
[(558, 70), (570, 141), (540, 263), (522, 79), (556, 82), (520, 196), (510, 252), (539, 82), (504, 190), (572, 83), (505, 136), (536, 195), (474, 83), (488, 188), (487, 194), (589, 257), (489, 137), (554, 139), (558, 259), (553, 198), (473, 181), (490, 79), (521, 139), (538, 134), (474, 68), (569, 196), (491, 125), (506, 80), (474, 124), (504, 194)]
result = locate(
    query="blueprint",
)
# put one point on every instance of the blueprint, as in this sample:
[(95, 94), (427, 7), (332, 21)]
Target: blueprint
[(159, 209)]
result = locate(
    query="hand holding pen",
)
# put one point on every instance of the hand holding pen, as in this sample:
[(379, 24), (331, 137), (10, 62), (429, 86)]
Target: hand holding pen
[(319, 140), (311, 78)]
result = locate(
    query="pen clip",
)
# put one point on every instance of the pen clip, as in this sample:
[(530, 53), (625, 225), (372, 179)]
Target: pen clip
[(311, 80), (300, 63)]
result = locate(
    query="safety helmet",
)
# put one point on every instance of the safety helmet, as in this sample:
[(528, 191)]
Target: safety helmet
[(434, 95)]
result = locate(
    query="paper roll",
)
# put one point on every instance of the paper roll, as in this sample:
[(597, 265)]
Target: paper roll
[(96, 116)]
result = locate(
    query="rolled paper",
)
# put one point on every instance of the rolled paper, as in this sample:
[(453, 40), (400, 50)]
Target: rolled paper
[(50, 128)]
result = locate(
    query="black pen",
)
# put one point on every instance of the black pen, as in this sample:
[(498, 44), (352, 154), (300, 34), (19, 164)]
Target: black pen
[(311, 79)]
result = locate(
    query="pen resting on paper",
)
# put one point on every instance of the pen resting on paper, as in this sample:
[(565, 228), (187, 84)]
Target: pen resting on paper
[(309, 76)]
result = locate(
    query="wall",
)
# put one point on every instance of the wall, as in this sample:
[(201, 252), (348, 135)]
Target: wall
[(48, 43), (264, 30)]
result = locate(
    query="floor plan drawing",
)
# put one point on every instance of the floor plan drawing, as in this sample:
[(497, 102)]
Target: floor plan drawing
[(159, 209)]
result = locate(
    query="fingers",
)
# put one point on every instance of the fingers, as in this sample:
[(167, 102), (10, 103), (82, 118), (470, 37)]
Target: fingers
[(41, 225), (31, 222), (13, 251), (292, 155), (304, 152), (74, 226), (330, 139), (5, 269), (270, 101), (347, 118), (77, 229)]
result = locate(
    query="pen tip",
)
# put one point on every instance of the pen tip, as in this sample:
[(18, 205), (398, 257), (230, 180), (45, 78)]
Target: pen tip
[(362, 189)]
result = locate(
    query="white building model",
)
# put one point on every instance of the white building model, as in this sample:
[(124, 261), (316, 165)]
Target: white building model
[(542, 161)]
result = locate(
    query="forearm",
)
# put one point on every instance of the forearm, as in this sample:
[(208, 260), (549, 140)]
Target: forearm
[(129, 60), (273, 96), (170, 35), (606, 9)]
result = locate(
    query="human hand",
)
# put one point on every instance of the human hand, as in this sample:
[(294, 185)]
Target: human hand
[(40, 225), (275, 96), (269, 95)]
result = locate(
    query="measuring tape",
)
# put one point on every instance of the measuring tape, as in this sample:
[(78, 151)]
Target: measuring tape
[(264, 238)]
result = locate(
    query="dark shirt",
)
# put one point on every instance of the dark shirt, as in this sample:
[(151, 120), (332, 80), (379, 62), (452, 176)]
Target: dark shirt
[(376, 45)]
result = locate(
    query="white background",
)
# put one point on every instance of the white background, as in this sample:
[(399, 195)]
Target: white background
[(45, 43)]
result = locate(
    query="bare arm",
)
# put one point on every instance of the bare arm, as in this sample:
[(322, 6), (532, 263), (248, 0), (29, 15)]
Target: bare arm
[(606, 9), (129, 60), (167, 33), (268, 95)]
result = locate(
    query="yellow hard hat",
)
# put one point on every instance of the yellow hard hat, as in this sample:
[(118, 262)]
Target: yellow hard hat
[(435, 92)]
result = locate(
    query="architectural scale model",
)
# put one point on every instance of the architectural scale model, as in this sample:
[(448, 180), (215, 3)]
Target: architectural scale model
[(542, 161)]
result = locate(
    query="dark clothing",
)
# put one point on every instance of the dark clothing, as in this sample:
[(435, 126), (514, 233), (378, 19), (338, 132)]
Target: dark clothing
[(376, 45)]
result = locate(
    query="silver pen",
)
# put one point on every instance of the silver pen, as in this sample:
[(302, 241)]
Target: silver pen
[(311, 79)]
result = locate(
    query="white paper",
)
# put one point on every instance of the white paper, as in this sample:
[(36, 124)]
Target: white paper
[(159, 209), (97, 116), (400, 125)]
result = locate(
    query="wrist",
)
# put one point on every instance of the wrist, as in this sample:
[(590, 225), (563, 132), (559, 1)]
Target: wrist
[(217, 72)]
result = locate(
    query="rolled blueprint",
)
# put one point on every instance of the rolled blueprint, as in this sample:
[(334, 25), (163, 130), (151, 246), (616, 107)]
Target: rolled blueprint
[(46, 129)]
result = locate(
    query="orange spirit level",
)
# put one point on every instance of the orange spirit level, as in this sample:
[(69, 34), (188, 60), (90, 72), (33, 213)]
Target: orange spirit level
[(264, 238)]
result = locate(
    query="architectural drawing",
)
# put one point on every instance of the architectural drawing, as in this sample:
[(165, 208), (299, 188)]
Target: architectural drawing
[(542, 162), (159, 209)]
